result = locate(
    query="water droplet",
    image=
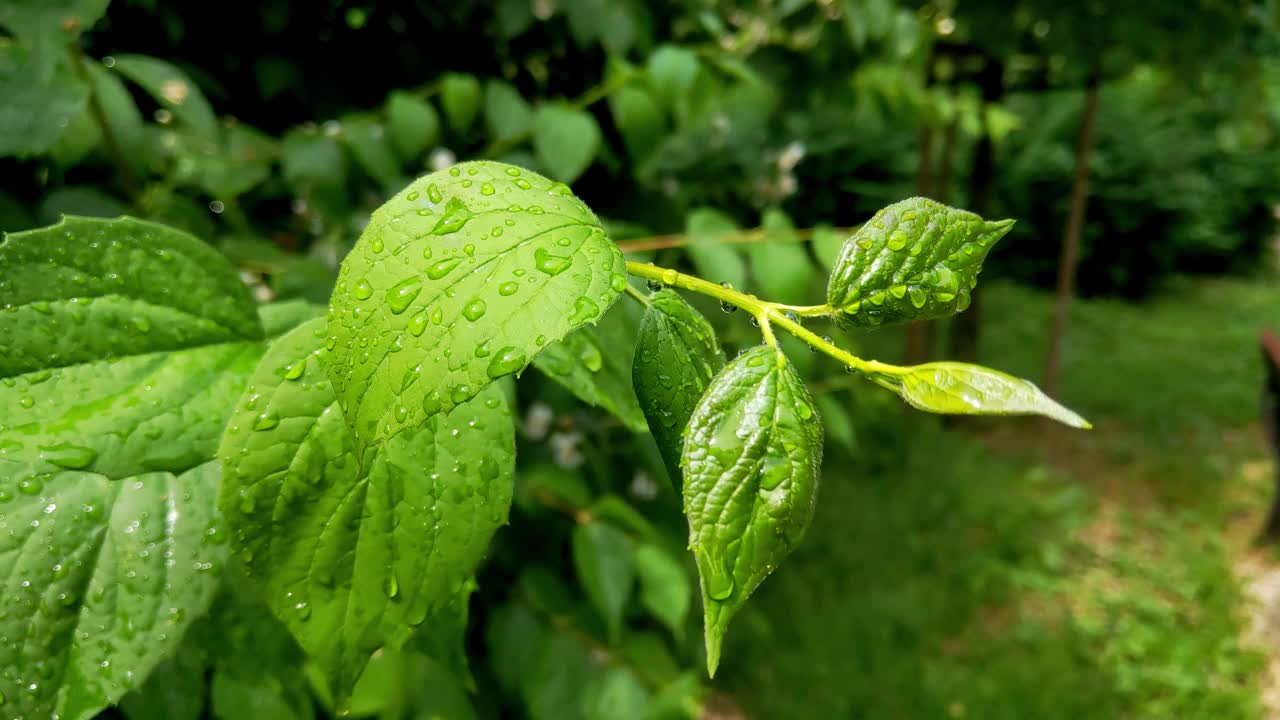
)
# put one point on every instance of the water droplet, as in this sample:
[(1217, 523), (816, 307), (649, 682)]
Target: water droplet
[(294, 371), (363, 290), (804, 411), (413, 195), (375, 245), (719, 578), (460, 394), (26, 401), (32, 485), (550, 264), (400, 295), (522, 184), (402, 414), (898, 291), (508, 288), (433, 193), (141, 323), (513, 171), (506, 361), (486, 188), (391, 586), (897, 240), (583, 309), (266, 421), (456, 214), (442, 268), (918, 295), (418, 324), (474, 310), (618, 282), (540, 340)]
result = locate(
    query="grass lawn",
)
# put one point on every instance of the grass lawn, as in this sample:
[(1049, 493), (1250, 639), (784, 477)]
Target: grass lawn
[(1001, 571)]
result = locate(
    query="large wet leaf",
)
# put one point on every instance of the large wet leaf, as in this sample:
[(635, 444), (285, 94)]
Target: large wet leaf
[(913, 260), (461, 279), (751, 461), (676, 357), (353, 553), (126, 344)]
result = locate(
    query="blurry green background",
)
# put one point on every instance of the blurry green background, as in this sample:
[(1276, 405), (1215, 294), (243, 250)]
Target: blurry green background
[(976, 569)]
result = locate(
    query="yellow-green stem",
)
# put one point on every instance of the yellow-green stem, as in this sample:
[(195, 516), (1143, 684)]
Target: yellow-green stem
[(767, 314)]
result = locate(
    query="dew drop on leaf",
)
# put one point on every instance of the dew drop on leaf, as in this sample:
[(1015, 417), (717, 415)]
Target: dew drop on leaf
[(550, 264), (442, 268), (474, 310), (418, 323), (508, 288), (266, 421), (363, 290), (400, 295)]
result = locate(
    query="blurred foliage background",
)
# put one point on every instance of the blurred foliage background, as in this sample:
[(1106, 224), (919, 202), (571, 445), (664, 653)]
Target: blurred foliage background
[(973, 569)]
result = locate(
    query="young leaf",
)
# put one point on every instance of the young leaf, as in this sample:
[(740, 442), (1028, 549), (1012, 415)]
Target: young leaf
[(676, 356), (367, 140), (460, 96), (412, 123), (116, 389), (34, 113), (565, 141), (506, 113), (954, 388), (751, 461), (913, 260), (173, 691), (172, 89), (594, 363), (714, 259), (826, 246), (639, 119), (664, 587), (354, 552), (781, 265), (460, 279), (602, 558), (47, 26), (616, 695), (672, 70)]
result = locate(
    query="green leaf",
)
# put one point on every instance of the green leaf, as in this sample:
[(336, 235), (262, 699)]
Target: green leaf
[(313, 167), (506, 113), (913, 260), (826, 246), (367, 140), (235, 697), (512, 639), (351, 552), (35, 113), (173, 89), (460, 95), (707, 230), (235, 162), (280, 317), (552, 682), (87, 289), (616, 695), (175, 690), (487, 261), (83, 200), (676, 357), (751, 462), (47, 26), (565, 140), (77, 141), (838, 422), (116, 389), (594, 363), (639, 120), (414, 125), (781, 265), (664, 587), (546, 485), (602, 558), (672, 70), (954, 388)]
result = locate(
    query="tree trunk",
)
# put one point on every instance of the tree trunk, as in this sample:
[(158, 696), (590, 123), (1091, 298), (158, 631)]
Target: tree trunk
[(919, 334), (1071, 235), (965, 329)]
